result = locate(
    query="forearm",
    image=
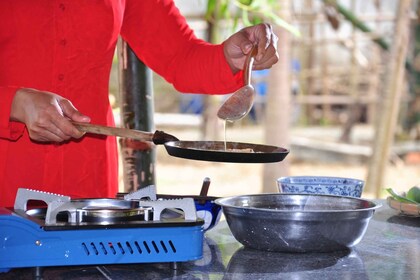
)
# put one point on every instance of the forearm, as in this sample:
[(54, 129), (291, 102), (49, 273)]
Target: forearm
[(203, 69), (161, 38)]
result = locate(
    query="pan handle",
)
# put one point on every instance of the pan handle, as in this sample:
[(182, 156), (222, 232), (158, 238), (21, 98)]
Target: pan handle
[(114, 131)]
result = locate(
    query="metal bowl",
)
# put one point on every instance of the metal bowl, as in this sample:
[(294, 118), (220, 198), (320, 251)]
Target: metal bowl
[(297, 222)]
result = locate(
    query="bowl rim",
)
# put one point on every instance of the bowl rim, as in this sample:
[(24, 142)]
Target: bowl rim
[(351, 180), (374, 205)]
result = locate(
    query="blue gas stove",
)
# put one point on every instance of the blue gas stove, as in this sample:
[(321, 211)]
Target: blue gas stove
[(137, 228)]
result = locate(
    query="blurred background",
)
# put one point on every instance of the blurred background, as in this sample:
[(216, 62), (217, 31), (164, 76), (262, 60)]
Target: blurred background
[(344, 97)]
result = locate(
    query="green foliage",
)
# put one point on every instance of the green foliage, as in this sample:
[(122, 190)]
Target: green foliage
[(414, 194), (405, 199), (250, 12)]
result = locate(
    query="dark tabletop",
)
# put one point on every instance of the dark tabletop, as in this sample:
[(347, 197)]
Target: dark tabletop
[(390, 249)]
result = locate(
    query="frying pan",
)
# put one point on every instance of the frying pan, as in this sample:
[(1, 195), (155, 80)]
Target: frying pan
[(197, 150)]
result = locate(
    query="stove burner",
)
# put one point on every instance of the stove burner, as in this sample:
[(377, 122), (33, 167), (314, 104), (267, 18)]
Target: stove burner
[(104, 215)]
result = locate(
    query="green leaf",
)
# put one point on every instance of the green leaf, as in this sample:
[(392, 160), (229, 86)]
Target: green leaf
[(235, 22), (245, 2), (257, 20), (414, 194), (398, 197), (211, 5), (245, 18), (282, 23)]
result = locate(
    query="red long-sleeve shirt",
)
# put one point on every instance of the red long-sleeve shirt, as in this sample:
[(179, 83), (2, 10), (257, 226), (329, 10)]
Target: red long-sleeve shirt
[(66, 47)]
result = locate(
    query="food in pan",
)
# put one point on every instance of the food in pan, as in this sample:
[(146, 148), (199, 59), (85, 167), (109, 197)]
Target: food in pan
[(244, 150), (233, 150)]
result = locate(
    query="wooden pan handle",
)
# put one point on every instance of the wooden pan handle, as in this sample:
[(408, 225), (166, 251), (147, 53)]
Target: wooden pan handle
[(114, 131)]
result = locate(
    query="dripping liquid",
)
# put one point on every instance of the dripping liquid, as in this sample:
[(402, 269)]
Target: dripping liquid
[(224, 126)]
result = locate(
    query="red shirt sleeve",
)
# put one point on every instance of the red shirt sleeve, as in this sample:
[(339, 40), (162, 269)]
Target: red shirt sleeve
[(8, 130), (162, 39)]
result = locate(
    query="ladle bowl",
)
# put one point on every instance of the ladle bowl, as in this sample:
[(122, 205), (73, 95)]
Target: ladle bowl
[(238, 105)]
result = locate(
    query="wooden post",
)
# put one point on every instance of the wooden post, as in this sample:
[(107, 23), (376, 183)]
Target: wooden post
[(309, 51), (137, 109), (354, 109), (386, 123), (412, 110), (277, 120), (210, 126)]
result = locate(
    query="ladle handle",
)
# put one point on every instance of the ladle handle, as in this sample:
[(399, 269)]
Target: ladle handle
[(114, 131), (249, 62), (205, 187), (204, 190)]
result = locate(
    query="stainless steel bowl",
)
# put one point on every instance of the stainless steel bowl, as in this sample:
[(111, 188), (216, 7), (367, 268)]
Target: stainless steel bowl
[(297, 222)]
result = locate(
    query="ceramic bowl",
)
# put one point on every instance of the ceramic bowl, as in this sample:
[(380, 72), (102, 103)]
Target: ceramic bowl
[(321, 185), (209, 211)]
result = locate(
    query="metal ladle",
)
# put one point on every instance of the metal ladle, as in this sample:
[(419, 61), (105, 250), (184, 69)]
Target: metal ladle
[(240, 102)]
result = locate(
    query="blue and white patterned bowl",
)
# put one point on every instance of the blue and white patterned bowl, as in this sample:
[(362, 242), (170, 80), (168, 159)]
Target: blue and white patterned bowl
[(321, 185)]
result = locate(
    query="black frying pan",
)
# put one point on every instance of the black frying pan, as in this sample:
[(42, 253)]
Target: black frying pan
[(197, 150), (234, 152)]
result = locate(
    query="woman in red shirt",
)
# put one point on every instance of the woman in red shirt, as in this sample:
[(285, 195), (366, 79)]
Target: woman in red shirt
[(56, 56)]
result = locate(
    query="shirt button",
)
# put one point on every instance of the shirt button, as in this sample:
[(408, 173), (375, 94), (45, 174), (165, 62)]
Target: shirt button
[(63, 42), (60, 77), (62, 7)]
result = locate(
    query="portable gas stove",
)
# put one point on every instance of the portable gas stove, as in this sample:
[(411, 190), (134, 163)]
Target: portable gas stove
[(135, 229)]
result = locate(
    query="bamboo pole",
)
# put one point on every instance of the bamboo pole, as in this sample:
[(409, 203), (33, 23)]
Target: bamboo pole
[(356, 22), (325, 79), (354, 109), (310, 60), (362, 26), (211, 126), (386, 123), (412, 109)]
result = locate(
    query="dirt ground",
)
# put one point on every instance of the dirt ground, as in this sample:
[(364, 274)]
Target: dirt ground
[(235, 179), (181, 176)]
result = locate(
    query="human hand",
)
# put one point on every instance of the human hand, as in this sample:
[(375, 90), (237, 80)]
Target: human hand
[(46, 115), (237, 46)]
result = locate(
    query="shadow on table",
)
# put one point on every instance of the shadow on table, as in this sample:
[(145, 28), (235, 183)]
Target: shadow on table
[(405, 220)]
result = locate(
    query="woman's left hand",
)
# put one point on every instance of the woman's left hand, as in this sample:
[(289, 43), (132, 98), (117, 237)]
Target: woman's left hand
[(237, 46)]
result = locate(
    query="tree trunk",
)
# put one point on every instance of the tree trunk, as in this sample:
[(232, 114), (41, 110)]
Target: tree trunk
[(137, 109), (412, 114), (386, 123), (210, 125), (277, 124)]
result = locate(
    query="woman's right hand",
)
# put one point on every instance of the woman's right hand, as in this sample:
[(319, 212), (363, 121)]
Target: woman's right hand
[(46, 115)]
